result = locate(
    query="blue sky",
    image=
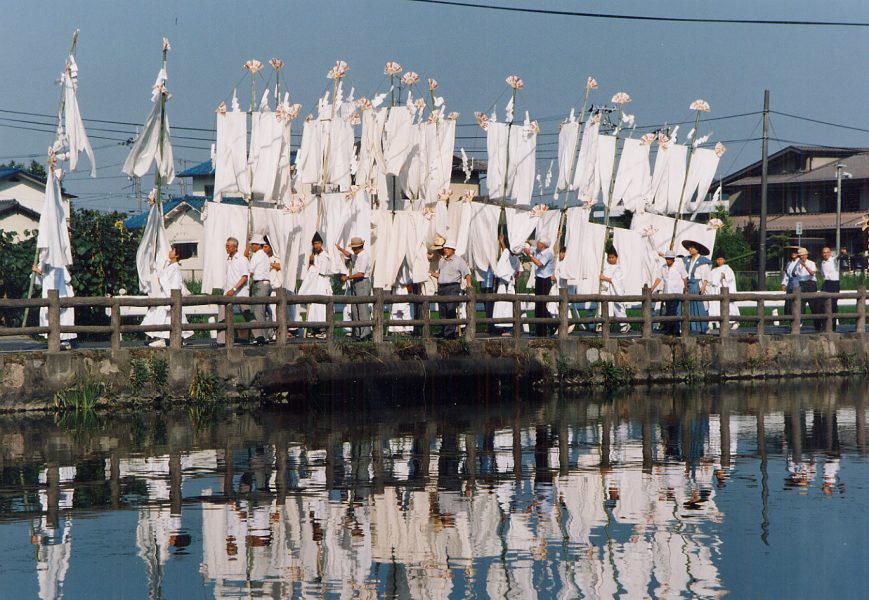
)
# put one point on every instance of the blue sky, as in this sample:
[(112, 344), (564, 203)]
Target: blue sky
[(811, 71)]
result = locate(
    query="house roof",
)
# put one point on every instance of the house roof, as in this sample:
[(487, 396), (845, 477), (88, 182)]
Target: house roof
[(197, 203), (811, 222), (743, 177), (9, 172), (11, 205), (857, 165)]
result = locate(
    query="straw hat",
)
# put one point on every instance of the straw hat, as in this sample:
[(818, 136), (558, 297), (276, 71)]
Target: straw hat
[(802, 252), (356, 242), (701, 249), (439, 242)]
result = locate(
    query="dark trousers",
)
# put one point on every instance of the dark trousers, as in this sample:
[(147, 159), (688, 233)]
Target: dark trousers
[(833, 287), (448, 310), (788, 307), (542, 285), (489, 307), (816, 306), (671, 309), (415, 307)]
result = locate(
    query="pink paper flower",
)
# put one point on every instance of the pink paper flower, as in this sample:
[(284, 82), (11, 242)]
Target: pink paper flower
[(468, 196), (649, 231), (591, 83), (648, 138), (410, 78), (482, 120), (221, 108), (720, 149), (352, 192), (432, 84), (364, 104), (715, 224), (253, 66), (700, 105), (339, 70), (166, 46), (355, 119), (445, 194), (538, 210), (276, 63), (621, 98), (514, 82), (428, 213), (419, 104), (534, 127), (392, 68), (453, 116), (370, 189)]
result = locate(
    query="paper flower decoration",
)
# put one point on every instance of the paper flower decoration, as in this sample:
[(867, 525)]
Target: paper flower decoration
[(221, 108), (370, 189), (350, 194), (482, 120), (533, 127), (419, 104), (700, 105), (166, 46), (591, 83), (410, 78), (445, 194), (649, 231), (432, 84), (434, 117), (276, 63), (364, 104), (514, 82), (720, 149), (428, 213), (663, 139), (355, 119), (392, 68), (468, 196), (253, 65), (538, 210), (621, 98), (715, 224), (453, 116), (648, 138), (338, 71)]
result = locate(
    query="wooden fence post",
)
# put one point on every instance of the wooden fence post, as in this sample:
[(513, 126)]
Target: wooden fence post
[(175, 319), (861, 309), (330, 322), (563, 314), (229, 321), (686, 313), (761, 315), (471, 312), (281, 317), (647, 312), (828, 311), (724, 312), (426, 319), (605, 315), (378, 316), (796, 311), (517, 319), (54, 321), (116, 323)]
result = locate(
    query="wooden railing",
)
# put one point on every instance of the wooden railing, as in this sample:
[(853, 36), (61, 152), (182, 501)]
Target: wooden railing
[(380, 322)]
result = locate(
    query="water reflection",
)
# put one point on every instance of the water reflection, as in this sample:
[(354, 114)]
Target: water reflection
[(641, 494)]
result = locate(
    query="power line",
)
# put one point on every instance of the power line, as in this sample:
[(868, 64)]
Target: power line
[(820, 122), (593, 15)]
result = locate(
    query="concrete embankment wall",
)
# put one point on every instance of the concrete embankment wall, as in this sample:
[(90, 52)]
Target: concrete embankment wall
[(300, 371)]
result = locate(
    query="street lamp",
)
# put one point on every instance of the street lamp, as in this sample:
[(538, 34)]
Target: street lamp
[(839, 175)]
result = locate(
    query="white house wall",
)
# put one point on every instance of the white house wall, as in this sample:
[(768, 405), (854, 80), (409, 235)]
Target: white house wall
[(19, 224)]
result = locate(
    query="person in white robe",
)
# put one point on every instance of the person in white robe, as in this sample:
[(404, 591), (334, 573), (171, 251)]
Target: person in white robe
[(719, 277), (506, 272), (317, 281), (562, 282), (613, 284), (168, 278), (56, 278)]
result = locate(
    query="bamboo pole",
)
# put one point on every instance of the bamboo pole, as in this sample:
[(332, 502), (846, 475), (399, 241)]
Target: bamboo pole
[(685, 180), (61, 108)]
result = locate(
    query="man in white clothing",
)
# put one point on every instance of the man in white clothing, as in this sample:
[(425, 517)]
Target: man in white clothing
[(234, 283), (360, 284), (317, 281), (719, 277), (674, 278), (260, 275), (612, 284), (806, 273), (830, 271)]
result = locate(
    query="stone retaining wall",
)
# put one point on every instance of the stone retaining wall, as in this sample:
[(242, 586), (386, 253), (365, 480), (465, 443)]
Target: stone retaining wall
[(30, 379)]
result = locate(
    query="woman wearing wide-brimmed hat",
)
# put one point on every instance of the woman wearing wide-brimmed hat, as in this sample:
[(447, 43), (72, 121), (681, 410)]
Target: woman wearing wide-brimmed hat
[(697, 264)]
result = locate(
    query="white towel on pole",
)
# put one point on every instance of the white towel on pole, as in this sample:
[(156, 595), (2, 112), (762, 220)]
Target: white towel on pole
[(231, 175), (309, 159), (633, 179), (704, 164), (633, 258), (606, 158), (668, 177), (266, 144), (76, 136), (567, 151), (586, 180)]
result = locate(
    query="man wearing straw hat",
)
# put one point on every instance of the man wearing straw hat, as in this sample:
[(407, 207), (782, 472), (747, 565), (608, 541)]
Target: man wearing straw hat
[(675, 281), (789, 282), (805, 272), (360, 284), (452, 269), (260, 275)]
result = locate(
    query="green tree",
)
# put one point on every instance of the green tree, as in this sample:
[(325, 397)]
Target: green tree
[(733, 241), (35, 167)]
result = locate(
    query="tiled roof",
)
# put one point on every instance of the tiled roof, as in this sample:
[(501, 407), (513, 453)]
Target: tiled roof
[(195, 202)]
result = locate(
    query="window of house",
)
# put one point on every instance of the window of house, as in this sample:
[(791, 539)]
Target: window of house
[(186, 250), (209, 190)]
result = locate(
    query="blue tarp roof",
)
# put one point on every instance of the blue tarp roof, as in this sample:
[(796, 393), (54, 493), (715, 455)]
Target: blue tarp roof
[(205, 168), (195, 202), (7, 172)]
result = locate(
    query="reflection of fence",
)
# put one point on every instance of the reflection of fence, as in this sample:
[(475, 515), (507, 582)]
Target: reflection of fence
[(647, 301)]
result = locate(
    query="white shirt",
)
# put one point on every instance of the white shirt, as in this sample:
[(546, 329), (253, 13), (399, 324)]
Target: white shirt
[(617, 286), (673, 278), (260, 265), (830, 269), (361, 263), (275, 276), (720, 278), (801, 271), (789, 270), (237, 267)]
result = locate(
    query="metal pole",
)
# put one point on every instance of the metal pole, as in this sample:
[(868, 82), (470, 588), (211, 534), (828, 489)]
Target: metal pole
[(839, 167), (761, 255)]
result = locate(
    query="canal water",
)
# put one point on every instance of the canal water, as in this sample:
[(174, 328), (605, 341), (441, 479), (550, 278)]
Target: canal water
[(754, 491)]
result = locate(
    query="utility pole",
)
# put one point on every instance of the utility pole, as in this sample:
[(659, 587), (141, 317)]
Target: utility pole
[(137, 190), (839, 167), (761, 255)]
